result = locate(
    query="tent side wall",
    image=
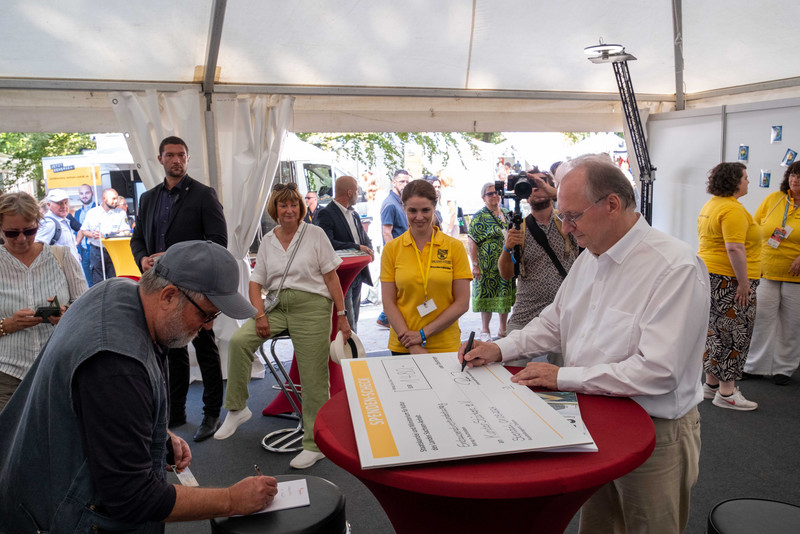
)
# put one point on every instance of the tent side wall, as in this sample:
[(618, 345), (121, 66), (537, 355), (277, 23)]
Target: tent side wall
[(685, 145)]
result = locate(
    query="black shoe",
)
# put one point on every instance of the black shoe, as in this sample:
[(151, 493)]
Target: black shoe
[(749, 376), (780, 380), (207, 428)]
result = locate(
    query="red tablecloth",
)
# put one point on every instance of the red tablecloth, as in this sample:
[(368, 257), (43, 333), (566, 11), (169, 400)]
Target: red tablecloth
[(526, 492), (347, 271)]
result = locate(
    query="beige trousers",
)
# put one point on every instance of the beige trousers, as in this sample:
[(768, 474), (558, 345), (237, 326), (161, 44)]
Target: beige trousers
[(655, 497)]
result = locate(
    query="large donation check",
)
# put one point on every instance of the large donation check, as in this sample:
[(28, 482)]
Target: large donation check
[(422, 408)]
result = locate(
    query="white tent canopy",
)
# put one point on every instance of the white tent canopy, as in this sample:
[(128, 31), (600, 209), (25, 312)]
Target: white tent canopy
[(486, 65)]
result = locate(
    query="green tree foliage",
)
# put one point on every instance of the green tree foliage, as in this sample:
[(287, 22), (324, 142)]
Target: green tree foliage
[(26, 151), (366, 148), (494, 138)]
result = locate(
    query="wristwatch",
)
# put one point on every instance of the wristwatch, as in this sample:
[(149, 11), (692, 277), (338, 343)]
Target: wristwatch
[(342, 312)]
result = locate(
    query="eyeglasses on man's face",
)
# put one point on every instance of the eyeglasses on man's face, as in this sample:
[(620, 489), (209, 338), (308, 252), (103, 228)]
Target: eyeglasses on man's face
[(573, 219), (490, 194), (27, 232), (208, 317)]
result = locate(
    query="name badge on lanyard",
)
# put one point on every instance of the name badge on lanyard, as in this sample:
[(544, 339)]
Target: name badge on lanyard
[(781, 232), (427, 305)]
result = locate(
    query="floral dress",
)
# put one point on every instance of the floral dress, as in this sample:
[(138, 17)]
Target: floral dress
[(490, 293)]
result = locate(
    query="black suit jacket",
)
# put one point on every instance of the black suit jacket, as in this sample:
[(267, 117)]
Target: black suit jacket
[(332, 221), (196, 214)]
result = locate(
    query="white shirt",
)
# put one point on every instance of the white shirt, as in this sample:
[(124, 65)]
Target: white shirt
[(107, 222), (351, 222), (631, 322), (314, 258), (30, 287), (47, 229)]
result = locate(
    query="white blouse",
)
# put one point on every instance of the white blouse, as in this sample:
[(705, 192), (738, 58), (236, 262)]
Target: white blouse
[(30, 287), (314, 258)]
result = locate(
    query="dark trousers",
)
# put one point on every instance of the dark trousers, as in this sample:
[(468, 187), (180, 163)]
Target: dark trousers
[(97, 266), (352, 303), (205, 345)]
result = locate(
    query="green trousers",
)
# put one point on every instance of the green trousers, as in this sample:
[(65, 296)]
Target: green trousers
[(307, 316)]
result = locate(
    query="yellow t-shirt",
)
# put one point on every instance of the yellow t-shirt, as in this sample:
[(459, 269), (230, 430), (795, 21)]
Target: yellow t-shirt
[(449, 262), (724, 220), (775, 262)]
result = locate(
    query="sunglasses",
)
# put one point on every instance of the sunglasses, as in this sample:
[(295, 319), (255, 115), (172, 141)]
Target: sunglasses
[(208, 316), (490, 194), (280, 187), (27, 232)]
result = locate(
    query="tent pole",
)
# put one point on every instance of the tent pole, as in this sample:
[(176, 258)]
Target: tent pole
[(677, 35)]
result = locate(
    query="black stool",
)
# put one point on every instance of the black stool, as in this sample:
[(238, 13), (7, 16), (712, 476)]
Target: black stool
[(749, 516), (325, 515), (285, 439)]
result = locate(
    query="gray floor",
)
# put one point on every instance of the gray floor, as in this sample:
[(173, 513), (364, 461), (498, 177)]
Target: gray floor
[(744, 453)]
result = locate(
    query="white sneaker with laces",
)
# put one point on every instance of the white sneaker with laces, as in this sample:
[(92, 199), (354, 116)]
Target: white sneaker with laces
[(734, 402), (232, 421), (709, 392), (306, 459)]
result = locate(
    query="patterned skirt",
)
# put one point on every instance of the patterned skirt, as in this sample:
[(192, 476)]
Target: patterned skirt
[(730, 328)]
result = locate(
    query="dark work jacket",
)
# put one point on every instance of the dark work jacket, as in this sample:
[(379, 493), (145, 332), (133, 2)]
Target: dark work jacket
[(332, 221), (195, 215), (45, 485)]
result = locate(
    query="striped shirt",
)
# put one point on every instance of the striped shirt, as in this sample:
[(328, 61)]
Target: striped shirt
[(30, 287)]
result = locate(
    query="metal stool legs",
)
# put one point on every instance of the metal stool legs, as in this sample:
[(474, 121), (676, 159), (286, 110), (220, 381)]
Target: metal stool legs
[(286, 439)]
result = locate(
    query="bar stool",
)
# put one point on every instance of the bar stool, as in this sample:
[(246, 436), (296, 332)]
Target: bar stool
[(325, 515), (285, 439), (746, 516)]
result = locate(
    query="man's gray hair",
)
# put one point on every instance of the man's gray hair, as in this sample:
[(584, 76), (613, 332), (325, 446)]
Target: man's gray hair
[(603, 178), (150, 283)]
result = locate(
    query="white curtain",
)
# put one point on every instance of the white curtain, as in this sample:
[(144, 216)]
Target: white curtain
[(147, 118), (250, 132)]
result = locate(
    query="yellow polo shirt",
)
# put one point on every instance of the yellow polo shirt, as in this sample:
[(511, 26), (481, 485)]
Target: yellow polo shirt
[(724, 220), (775, 262), (399, 264)]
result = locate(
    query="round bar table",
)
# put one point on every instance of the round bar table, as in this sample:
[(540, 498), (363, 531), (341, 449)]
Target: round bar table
[(524, 492), (347, 271)]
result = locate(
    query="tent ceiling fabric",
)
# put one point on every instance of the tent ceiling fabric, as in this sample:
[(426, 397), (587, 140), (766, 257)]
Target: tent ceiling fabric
[(506, 50)]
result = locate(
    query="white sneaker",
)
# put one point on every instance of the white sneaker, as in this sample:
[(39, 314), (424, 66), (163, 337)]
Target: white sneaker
[(232, 422), (306, 459), (735, 402), (485, 337), (709, 392)]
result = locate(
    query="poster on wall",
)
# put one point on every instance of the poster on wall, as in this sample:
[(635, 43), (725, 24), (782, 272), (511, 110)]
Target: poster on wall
[(744, 153), (764, 178), (776, 134), (789, 157)]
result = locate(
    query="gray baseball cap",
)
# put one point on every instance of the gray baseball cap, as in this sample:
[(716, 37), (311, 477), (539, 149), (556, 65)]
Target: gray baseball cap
[(207, 268)]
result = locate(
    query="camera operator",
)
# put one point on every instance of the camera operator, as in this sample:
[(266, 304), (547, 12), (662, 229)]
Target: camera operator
[(540, 273)]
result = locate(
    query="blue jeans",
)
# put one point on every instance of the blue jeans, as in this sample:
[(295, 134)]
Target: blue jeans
[(86, 265)]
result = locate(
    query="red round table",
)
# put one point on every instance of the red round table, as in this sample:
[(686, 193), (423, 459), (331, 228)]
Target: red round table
[(524, 492), (347, 272)]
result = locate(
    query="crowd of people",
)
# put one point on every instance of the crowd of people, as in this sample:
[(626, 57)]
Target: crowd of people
[(582, 285)]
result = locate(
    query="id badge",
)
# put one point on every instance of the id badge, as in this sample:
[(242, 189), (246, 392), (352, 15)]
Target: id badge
[(185, 477), (426, 307), (778, 235)]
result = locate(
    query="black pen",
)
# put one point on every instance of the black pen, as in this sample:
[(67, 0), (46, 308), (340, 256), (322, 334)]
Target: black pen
[(467, 349), (255, 466)]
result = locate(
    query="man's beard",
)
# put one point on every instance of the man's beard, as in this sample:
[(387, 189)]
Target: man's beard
[(177, 335), (543, 205)]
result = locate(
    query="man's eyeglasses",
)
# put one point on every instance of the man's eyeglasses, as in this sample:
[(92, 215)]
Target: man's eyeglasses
[(208, 316), (27, 232), (490, 194), (573, 220)]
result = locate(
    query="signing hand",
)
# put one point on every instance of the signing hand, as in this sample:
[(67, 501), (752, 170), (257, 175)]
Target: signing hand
[(538, 374), (252, 494), (482, 353)]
